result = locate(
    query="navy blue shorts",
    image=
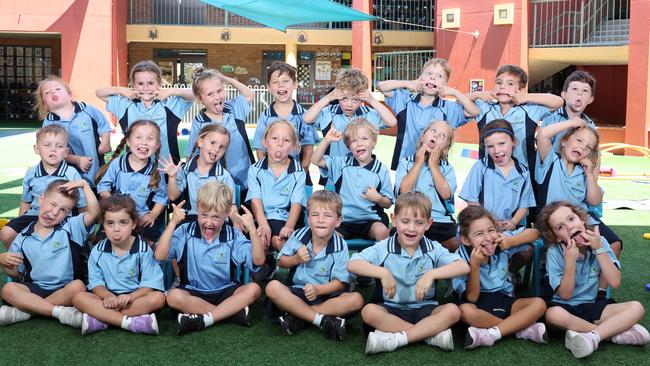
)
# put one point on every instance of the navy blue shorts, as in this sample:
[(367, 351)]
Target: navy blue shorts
[(19, 223), (412, 316), (590, 311), (360, 229), (495, 303), (606, 232), (319, 299), (214, 298), (441, 231)]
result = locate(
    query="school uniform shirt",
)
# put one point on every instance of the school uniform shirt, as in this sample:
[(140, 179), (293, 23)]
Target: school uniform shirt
[(406, 269), (239, 155), (124, 274), (277, 194), (523, 118), (493, 274), (587, 273), (189, 180), (48, 261), (351, 180), (330, 263), (36, 180), (441, 210), (500, 195), (333, 116), (206, 267), (556, 184), (561, 115), (120, 178), (84, 128), (306, 133), (413, 118), (166, 113)]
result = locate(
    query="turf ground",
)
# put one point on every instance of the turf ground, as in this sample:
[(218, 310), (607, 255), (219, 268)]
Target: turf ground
[(42, 341)]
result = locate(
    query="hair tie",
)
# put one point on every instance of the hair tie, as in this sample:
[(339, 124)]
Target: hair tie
[(504, 130)]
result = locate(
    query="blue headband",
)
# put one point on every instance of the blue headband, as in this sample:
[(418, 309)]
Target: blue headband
[(504, 130)]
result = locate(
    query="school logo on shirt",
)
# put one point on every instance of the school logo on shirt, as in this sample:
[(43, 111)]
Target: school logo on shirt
[(132, 272), (220, 257), (322, 272), (58, 245)]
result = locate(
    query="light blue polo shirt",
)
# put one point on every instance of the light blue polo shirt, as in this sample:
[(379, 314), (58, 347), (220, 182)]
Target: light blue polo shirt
[(560, 115), (277, 194), (47, 261), (333, 115), (493, 274), (37, 179), (124, 274), (84, 129), (413, 118), (555, 184), (206, 267), (500, 195), (524, 120), (120, 178), (587, 273), (166, 113), (441, 210), (330, 263), (307, 134), (406, 269), (351, 180), (189, 180)]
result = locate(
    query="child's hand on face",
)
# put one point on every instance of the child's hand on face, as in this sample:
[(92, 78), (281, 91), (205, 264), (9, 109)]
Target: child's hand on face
[(388, 284), (420, 155), (476, 257), (371, 194), (587, 165), (84, 163), (178, 213), (592, 237), (163, 93), (434, 157), (446, 90), (10, 259), (416, 85), (571, 252), (366, 96), (578, 122), (506, 225), (311, 292), (520, 97), (303, 254), (335, 94), (485, 95), (128, 93), (503, 242), (146, 220), (333, 135), (166, 165), (422, 287)]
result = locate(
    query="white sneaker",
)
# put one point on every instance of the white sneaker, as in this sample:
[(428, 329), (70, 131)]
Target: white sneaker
[(11, 315), (71, 316), (635, 336), (444, 340), (536, 333), (581, 345), (379, 341)]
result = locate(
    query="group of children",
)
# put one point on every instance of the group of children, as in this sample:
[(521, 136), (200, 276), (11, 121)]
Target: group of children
[(208, 238)]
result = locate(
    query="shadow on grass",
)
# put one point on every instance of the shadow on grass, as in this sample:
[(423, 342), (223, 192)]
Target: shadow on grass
[(9, 201), (11, 184)]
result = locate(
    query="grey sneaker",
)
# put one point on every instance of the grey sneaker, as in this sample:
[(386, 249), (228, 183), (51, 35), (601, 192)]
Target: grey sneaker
[(11, 315), (71, 316)]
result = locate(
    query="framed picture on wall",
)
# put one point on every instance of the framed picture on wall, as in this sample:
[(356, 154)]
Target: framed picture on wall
[(476, 85)]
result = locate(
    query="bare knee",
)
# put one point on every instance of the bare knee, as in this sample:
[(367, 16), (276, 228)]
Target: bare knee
[(635, 307), (9, 290), (371, 313), (80, 298), (175, 298), (75, 287), (467, 312), (273, 289), (450, 311), (354, 301), (557, 316), (252, 291), (381, 232), (157, 299)]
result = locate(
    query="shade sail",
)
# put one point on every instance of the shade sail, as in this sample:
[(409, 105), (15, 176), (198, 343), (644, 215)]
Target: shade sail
[(280, 14)]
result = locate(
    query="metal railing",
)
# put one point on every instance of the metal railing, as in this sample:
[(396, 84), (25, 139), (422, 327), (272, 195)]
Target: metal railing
[(399, 65), (416, 13), (579, 23)]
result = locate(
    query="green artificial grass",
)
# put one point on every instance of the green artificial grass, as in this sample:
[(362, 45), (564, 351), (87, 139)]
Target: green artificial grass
[(45, 341)]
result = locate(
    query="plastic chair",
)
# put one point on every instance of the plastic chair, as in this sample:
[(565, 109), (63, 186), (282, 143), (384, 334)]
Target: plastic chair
[(534, 268), (245, 275)]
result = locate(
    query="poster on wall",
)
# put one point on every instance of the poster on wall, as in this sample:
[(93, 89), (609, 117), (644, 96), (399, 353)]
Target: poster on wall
[(476, 85), (323, 70)]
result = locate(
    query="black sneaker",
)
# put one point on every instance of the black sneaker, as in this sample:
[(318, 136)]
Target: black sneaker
[(290, 323), (189, 323), (334, 327), (243, 318)]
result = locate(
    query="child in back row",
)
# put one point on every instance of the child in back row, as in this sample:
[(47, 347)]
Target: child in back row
[(147, 100), (135, 174), (45, 259), (362, 181), (282, 82), (51, 145), (415, 111), (407, 264), (89, 133), (488, 304), (125, 281), (208, 87), (317, 289), (208, 251), (428, 171), (577, 258)]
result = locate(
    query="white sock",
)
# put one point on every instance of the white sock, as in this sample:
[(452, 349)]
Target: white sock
[(125, 323), (596, 336), (56, 312), (207, 319), (495, 332), (317, 319), (402, 339)]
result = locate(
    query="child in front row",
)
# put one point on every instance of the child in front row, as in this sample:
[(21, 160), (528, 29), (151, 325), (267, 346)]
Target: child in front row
[(486, 294), (362, 181), (208, 251), (407, 264), (317, 290), (45, 259), (125, 281), (428, 171), (415, 111), (51, 146), (578, 256)]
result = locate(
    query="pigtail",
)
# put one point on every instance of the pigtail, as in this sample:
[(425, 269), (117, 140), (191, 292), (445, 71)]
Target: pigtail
[(194, 149), (116, 154), (155, 176)]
